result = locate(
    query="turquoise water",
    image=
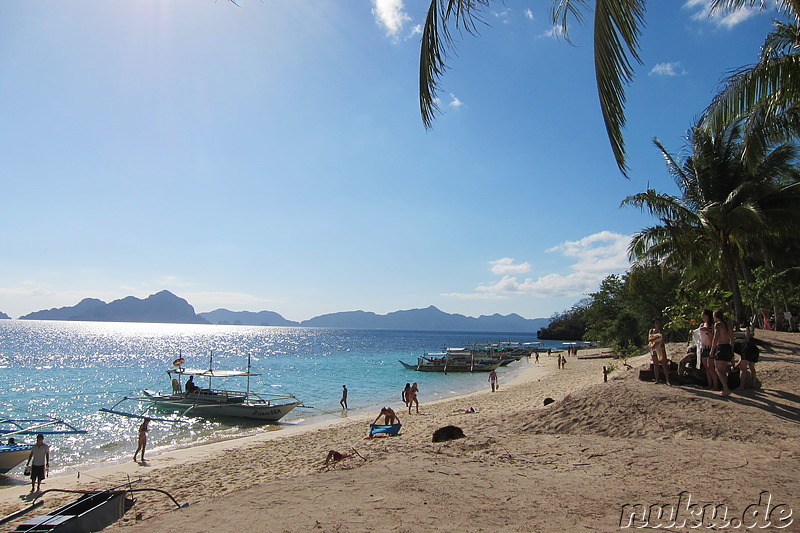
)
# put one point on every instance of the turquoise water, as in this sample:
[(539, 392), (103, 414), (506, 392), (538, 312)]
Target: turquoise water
[(71, 369)]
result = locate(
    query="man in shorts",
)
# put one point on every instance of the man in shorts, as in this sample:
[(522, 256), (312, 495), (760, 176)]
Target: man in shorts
[(40, 453)]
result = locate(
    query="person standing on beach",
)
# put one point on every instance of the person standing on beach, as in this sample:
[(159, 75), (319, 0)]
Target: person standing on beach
[(343, 401), (405, 394), (658, 351), (722, 348), (411, 397), (40, 454), (493, 380), (706, 337), (143, 429)]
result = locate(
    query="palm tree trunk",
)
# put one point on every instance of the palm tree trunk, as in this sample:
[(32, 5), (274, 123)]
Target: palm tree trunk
[(729, 266)]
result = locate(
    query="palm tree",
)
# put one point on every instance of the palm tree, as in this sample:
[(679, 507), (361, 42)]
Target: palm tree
[(617, 28), (724, 203), (767, 94)]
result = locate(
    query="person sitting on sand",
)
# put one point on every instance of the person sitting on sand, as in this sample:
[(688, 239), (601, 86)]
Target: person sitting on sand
[(334, 456), (658, 351), (722, 348), (389, 417)]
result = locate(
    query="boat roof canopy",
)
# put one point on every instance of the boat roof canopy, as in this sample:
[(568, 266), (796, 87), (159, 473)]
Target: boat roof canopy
[(211, 373)]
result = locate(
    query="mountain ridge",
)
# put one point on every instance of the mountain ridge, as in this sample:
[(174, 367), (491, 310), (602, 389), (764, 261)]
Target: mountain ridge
[(165, 307)]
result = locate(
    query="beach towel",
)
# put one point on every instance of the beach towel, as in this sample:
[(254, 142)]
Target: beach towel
[(699, 343), (379, 429)]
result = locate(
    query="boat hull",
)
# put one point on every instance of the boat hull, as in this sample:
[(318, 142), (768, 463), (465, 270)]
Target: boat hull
[(12, 455), (249, 410), (91, 512), (446, 369)]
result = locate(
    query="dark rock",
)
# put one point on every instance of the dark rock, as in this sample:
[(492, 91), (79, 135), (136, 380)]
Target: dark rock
[(447, 433)]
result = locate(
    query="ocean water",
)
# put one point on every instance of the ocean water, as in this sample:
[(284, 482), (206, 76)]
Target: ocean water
[(72, 369)]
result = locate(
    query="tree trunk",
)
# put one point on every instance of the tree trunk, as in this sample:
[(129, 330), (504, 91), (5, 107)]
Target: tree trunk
[(729, 264)]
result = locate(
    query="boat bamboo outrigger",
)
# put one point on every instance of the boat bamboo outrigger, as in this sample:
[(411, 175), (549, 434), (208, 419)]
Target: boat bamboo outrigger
[(210, 402), (11, 453), (92, 511)]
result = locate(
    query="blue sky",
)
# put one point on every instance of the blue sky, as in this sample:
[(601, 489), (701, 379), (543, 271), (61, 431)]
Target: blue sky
[(271, 156)]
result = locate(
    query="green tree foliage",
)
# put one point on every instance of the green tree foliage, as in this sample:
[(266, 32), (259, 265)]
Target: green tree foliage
[(724, 204), (569, 325)]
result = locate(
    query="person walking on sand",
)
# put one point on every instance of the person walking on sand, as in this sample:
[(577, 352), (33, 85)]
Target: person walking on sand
[(143, 429), (722, 348), (411, 397), (405, 394), (493, 380), (343, 401), (658, 351), (40, 454)]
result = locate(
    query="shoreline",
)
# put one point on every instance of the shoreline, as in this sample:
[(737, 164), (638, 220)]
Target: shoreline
[(193, 453), (572, 465)]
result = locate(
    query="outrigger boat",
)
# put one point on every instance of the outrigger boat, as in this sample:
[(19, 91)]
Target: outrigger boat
[(451, 362), (94, 510), (210, 402), (11, 453)]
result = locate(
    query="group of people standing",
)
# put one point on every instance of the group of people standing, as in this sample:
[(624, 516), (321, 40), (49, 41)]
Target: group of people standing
[(409, 396), (715, 348)]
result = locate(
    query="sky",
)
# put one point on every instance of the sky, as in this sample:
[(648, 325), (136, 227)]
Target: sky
[(270, 155)]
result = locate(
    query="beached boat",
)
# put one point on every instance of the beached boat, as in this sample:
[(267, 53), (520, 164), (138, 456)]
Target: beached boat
[(13, 453), (93, 511), (209, 402), (451, 362)]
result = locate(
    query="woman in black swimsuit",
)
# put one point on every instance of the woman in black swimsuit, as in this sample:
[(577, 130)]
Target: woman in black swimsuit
[(722, 348)]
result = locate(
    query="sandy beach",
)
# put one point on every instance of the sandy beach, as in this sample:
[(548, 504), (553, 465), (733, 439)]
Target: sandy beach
[(572, 465)]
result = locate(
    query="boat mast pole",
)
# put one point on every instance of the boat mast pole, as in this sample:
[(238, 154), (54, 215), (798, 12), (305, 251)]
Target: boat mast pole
[(210, 368), (248, 375)]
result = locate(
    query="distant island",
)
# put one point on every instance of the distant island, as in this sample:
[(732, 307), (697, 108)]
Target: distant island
[(165, 307), (4, 316), (162, 307)]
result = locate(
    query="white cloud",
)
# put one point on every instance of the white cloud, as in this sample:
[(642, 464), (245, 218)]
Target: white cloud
[(556, 32), (529, 14), (391, 15), (595, 257), (720, 17), (455, 102), (504, 15), (668, 69), (506, 266)]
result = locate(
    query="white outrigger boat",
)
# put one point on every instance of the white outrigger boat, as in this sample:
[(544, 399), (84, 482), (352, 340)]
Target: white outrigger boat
[(209, 402), (12, 453)]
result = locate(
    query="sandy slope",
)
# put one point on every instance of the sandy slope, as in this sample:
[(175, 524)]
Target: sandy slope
[(569, 466)]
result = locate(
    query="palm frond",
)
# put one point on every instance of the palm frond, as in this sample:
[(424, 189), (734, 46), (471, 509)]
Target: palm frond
[(617, 28), (437, 40)]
